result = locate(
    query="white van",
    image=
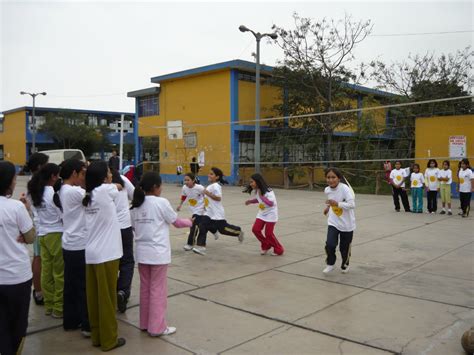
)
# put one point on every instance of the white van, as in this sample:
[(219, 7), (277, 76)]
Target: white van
[(59, 155)]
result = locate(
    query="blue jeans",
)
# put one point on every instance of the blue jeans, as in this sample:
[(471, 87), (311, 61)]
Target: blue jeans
[(417, 199)]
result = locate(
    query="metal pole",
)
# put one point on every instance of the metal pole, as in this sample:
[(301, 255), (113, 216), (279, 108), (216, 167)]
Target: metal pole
[(33, 126), (121, 143), (257, 106)]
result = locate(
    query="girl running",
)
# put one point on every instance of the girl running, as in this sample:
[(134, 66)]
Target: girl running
[(151, 217), (466, 187), (74, 240), (397, 180), (341, 219), (446, 178), (417, 182), (46, 207), (214, 216), (267, 215), (432, 185), (103, 253), (16, 229), (194, 194)]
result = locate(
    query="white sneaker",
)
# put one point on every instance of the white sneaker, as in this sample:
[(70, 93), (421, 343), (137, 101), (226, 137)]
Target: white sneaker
[(216, 235), (188, 247), (241, 237), (346, 270), (86, 334), (200, 250), (328, 269), (168, 331), (264, 252)]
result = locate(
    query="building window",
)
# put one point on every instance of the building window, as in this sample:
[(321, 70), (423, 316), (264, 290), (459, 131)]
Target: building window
[(1, 152), (148, 106), (1, 122), (190, 140)]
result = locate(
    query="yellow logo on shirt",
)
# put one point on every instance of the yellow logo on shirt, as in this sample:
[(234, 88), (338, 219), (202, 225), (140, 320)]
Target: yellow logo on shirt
[(337, 210), (461, 181), (399, 177), (206, 202), (415, 182), (261, 206), (192, 202), (432, 178)]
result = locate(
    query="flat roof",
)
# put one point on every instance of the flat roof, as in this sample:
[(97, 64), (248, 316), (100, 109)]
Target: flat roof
[(144, 92), (55, 109)]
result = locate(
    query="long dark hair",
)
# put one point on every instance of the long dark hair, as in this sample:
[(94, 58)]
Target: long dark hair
[(39, 181), (220, 175), (7, 174), (338, 173), (148, 182), (116, 178), (465, 161), (95, 176), (69, 166), (191, 176), (261, 184), (430, 161), (35, 161)]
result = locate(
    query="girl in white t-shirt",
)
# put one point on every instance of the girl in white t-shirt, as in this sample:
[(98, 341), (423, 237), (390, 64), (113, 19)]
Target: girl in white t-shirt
[(466, 187), (397, 180), (445, 177), (193, 193), (267, 215), (103, 253), (16, 229), (151, 217), (432, 185), (341, 219), (417, 180), (214, 215), (47, 208)]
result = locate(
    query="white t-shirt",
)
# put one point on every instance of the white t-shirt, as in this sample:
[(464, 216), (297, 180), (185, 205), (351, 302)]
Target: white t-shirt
[(74, 234), (48, 215), (267, 213), (152, 235), (14, 258), (123, 205), (398, 176), (431, 179), (341, 216), (104, 241), (445, 174), (214, 209), (417, 180), (195, 198), (465, 177)]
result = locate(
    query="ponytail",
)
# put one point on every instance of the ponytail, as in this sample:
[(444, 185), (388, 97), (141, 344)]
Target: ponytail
[(95, 175), (148, 183), (220, 175), (138, 197), (56, 187), (38, 182)]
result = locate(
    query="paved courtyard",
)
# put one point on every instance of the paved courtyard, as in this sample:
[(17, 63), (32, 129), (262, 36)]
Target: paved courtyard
[(410, 289)]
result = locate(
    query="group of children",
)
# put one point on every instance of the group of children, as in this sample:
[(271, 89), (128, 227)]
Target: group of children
[(433, 180)]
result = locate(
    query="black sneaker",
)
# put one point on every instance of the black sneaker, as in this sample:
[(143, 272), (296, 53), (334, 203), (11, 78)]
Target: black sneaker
[(450, 213), (443, 212), (121, 302), (39, 300), (120, 342)]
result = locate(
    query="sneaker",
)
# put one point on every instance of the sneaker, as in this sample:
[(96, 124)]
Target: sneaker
[(433, 212), (168, 331), (49, 312), (241, 237), (120, 342), (275, 254), (216, 235), (464, 215), (328, 269), (460, 213), (443, 212), (346, 270), (188, 247), (264, 252), (57, 314), (38, 297), (450, 213), (121, 301), (199, 250), (86, 334)]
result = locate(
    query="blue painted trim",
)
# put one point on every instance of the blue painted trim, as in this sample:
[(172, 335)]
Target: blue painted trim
[(174, 179), (231, 64), (234, 133), (135, 135), (367, 90)]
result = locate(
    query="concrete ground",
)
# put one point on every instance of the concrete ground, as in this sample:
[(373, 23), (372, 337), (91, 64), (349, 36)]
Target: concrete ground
[(410, 288)]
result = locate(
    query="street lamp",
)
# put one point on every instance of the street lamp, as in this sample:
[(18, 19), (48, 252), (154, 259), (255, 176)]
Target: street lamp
[(258, 36), (33, 118)]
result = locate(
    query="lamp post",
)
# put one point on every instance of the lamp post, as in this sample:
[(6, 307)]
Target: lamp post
[(33, 118), (258, 36)]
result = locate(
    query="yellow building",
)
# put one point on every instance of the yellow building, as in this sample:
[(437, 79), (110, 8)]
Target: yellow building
[(208, 112)]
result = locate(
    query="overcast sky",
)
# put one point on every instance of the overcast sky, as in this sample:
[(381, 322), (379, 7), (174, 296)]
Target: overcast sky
[(89, 54)]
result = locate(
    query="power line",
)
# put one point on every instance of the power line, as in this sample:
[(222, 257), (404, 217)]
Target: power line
[(84, 96), (420, 33)]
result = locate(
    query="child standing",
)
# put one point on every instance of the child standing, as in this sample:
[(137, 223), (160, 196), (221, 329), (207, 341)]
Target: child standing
[(267, 215), (341, 219), (432, 185), (416, 187), (194, 194), (466, 186), (16, 229), (445, 177), (46, 206), (151, 217), (74, 240), (103, 253), (397, 180), (214, 216)]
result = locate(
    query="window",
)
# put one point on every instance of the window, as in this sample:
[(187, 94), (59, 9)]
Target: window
[(1, 152), (1, 123), (190, 140), (148, 106)]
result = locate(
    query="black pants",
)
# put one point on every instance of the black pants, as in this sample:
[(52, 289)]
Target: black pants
[(127, 263), (344, 247), (14, 307), (213, 226), (403, 194), (465, 198), (75, 300), (432, 197), (194, 231)]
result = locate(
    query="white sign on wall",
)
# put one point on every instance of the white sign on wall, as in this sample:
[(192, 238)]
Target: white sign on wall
[(457, 147), (201, 159)]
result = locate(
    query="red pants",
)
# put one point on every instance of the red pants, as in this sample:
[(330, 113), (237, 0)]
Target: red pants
[(268, 240)]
